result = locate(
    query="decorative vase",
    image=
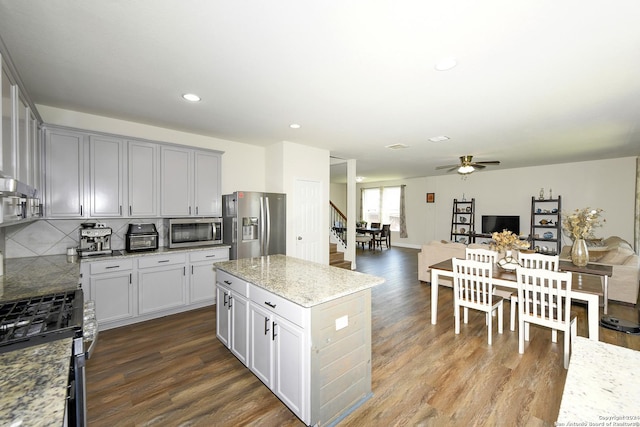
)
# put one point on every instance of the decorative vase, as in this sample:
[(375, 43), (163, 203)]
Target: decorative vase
[(579, 253), (507, 262)]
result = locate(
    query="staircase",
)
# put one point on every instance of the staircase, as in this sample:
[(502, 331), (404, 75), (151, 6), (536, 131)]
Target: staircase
[(336, 258)]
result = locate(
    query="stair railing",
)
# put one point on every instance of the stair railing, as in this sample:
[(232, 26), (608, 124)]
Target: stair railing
[(338, 223)]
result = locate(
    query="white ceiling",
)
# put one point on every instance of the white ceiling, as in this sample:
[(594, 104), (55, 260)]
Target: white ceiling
[(537, 82)]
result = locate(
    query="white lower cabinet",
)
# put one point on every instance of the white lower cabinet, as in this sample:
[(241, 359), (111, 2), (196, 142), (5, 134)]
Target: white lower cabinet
[(144, 286), (111, 285), (232, 314), (277, 355), (202, 280), (162, 282)]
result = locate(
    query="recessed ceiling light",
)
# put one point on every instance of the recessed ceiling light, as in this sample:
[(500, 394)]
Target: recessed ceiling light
[(445, 64), (438, 138), (191, 97), (294, 126), (359, 178)]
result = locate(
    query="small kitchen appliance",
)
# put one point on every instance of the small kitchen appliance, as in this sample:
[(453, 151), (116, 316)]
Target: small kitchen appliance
[(95, 239), (187, 232), (141, 237)]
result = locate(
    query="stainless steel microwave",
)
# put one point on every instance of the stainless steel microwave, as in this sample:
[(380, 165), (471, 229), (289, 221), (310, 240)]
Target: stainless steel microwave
[(186, 232)]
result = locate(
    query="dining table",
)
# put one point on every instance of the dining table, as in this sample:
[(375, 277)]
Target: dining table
[(372, 231), (586, 288)]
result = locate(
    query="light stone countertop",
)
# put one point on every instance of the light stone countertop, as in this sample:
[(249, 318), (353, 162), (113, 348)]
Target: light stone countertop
[(303, 282), (602, 385), (34, 384), (40, 275)]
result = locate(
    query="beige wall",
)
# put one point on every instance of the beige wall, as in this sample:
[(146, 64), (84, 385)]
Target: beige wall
[(607, 184)]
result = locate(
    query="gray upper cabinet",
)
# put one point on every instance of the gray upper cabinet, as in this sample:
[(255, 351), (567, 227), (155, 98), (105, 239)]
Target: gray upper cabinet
[(106, 180), (64, 154), (8, 165), (143, 175), (207, 197), (190, 182), (89, 175), (176, 188)]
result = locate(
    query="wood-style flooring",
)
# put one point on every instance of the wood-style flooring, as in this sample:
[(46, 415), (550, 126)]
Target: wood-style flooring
[(174, 372)]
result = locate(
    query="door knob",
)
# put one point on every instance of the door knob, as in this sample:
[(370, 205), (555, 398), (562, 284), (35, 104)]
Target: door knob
[(299, 237)]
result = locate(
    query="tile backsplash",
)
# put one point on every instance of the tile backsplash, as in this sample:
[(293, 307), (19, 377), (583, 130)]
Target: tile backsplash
[(53, 237)]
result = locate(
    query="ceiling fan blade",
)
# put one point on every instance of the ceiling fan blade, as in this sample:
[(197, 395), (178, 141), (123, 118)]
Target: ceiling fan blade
[(447, 166), (478, 166), (491, 162)]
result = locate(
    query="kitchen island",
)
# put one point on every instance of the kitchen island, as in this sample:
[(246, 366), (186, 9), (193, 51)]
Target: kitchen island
[(303, 328)]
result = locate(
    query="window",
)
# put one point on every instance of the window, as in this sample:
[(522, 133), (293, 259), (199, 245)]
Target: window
[(381, 205)]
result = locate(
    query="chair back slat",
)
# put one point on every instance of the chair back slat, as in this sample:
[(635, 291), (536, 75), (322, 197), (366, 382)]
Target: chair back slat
[(536, 260), (482, 255)]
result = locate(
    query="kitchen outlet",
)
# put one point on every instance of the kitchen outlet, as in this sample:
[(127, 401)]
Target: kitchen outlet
[(342, 322)]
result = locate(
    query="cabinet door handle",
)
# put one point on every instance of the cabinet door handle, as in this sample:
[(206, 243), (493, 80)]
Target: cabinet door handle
[(226, 301), (80, 210), (121, 210), (189, 210), (130, 210), (130, 278), (270, 304), (196, 210), (230, 298), (184, 270), (192, 270), (266, 325), (273, 332)]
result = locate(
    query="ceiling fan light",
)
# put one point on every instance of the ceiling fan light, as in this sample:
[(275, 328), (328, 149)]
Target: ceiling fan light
[(465, 169)]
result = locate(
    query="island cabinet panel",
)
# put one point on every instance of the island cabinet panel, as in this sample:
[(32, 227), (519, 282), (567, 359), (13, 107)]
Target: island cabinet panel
[(340, 355), (309, 333), (232, 314)]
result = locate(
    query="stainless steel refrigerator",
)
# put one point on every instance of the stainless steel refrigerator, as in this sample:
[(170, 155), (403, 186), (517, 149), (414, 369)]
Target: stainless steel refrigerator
[(254, 223)]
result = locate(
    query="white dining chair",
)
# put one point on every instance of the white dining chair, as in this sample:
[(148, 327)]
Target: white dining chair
[(533, 260), (545, 299), (473, 288)]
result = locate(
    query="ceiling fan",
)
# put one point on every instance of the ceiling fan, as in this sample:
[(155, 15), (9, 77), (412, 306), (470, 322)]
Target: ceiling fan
[(467, 165)]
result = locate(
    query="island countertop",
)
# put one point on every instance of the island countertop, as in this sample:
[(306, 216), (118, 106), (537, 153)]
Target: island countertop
[(303, 282), (602, 385)]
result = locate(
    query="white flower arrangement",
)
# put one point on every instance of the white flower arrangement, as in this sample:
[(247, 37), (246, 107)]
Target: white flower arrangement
[(580, 224)]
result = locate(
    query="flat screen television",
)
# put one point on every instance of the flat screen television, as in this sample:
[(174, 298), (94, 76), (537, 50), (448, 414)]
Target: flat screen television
[(493, 223)]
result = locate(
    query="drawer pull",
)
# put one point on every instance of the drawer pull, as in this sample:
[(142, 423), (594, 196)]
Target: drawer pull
[(227, 282), (270, 304), (112, 266), (210, 256), (164, 260)]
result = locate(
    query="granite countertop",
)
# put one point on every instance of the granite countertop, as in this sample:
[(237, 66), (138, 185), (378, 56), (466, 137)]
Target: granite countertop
[(602, 386), (34, 384), (121, 253), (41, 275), (303, 282)]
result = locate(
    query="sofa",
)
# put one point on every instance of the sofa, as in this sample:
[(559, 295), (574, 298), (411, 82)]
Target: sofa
[(437, 251), (614, 251)]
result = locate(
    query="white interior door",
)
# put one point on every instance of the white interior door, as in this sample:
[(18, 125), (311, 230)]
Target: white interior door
[(308, 211)]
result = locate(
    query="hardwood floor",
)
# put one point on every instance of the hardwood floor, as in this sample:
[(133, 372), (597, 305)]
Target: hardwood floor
[(174, 372)]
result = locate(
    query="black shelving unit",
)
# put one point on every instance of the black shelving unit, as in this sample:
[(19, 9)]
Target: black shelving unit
[(463, 221), (546, 225)]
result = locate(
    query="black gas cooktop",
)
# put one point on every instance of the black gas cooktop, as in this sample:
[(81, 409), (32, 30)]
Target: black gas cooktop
[(40, 319)]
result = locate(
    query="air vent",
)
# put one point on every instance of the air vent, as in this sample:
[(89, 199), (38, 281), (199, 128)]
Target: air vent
[(396, 146)]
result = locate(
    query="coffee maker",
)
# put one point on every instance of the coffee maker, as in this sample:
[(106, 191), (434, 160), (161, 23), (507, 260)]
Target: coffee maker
[(95, 239)]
